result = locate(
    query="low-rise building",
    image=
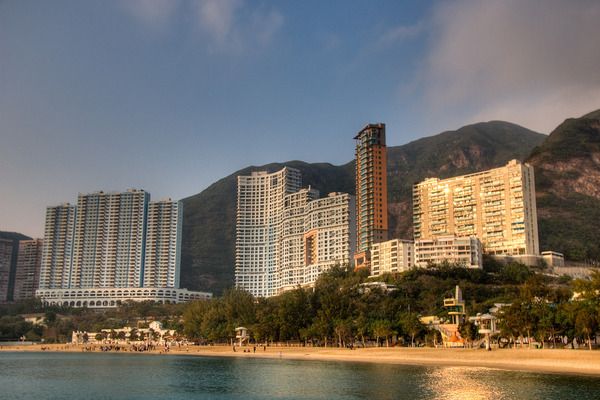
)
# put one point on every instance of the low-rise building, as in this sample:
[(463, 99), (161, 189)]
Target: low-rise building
[(392, 256), (114, 297), (455, 250)]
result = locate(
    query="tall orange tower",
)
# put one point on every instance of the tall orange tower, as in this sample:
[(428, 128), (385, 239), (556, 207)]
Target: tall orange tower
[(371, 191)]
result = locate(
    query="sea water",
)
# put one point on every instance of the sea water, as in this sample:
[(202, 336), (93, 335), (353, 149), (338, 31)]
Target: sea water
[(135, 376)]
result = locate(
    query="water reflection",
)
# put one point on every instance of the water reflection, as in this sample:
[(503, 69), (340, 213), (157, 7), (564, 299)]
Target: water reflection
[(116, 376), (463, 383)]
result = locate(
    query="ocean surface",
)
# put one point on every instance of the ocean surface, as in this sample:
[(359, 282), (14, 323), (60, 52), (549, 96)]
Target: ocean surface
[(120, 376)]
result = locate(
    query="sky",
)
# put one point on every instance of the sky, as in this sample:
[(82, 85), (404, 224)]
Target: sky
[(171, 95)]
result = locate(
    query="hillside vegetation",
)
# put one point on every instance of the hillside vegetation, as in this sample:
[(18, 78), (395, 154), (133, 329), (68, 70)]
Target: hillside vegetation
[(209, 217)]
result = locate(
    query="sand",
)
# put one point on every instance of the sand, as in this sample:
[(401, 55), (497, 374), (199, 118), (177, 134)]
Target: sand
[(563, 361)]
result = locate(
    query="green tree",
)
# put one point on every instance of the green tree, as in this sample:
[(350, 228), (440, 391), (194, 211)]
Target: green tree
[(382, 328), (411, 325)]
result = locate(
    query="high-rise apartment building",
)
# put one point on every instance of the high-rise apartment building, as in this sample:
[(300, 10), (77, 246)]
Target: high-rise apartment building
[(117, 240), (497, 206), (260, 204), (371, 191), (392, 256), (287, 236), (290, 247), (163, 244), (6, 266), (57, 253), (20, 260), (323, 236), (110, 239), (27, 274)]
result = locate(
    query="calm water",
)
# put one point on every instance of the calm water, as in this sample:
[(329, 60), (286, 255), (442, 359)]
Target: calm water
[(147, 377)]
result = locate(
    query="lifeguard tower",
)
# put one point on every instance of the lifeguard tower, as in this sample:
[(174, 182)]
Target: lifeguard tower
[(455, 306), (241, 335)]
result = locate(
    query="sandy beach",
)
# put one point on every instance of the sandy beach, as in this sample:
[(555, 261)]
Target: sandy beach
[(563, 361)]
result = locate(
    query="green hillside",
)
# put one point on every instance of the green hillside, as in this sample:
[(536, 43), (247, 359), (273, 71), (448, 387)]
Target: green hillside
[(209, 217), (567, 171)]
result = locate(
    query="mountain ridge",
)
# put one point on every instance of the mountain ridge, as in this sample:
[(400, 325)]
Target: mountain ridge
[(209, 217)]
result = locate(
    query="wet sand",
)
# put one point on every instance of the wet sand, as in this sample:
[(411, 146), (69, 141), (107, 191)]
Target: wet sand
[(564, 361)]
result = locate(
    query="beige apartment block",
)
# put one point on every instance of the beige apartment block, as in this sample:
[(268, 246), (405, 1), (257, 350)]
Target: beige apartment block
[(464, 251), (497, 206), (392, 256)]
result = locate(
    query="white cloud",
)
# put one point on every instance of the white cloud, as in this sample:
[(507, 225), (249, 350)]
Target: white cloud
[(227, 26), (232, 28), (155, 14), (401, 33), (530, 62), (217, 18)]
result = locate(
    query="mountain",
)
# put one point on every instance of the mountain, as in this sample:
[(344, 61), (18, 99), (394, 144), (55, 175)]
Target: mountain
[(567, 173), (208, 247), (469, 149)]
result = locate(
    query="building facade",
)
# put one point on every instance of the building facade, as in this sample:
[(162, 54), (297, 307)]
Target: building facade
[(57, 252), (260, 205), (371, 191), (163, 244), (287, 236), (117, 240), (392, 256), (497, 206), (110, 239), (465, 251), (290, 259), (6, 262), (324, 237), (29, 262)]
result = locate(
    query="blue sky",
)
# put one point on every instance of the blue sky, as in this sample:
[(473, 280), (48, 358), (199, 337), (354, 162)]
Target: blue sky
[(172, 95)]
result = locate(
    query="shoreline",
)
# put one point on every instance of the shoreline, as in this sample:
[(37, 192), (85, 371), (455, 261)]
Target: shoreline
[(554, 361)]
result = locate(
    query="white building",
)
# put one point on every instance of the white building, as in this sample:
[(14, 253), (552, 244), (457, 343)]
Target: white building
[(392, 256), (455, 250), (326, 238), (163, 244), (57, 253), (290, 248), (260, 203), (109, 239), (118, 240), (287, 237)]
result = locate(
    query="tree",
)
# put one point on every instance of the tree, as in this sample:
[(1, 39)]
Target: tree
[(343, 330), (586, 322), (382, 329), (468, 330), (411, 325)]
